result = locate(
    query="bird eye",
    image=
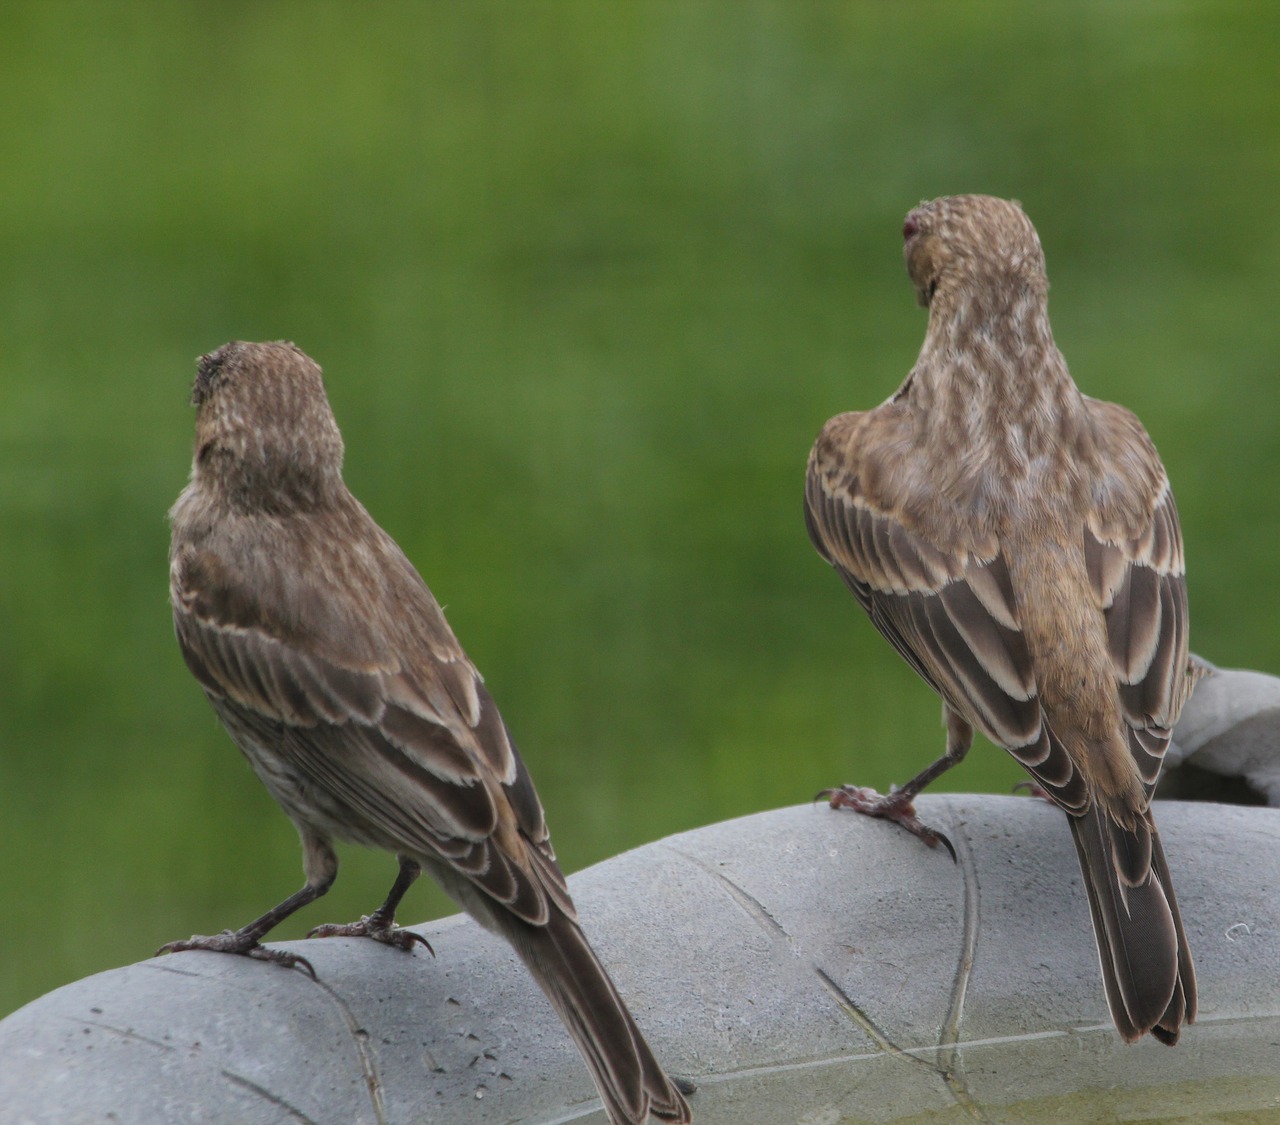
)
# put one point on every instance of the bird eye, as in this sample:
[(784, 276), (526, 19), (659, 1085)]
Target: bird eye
[(910, 228)]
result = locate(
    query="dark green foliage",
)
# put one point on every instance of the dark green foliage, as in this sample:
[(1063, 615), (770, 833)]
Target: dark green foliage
[(586, 279)]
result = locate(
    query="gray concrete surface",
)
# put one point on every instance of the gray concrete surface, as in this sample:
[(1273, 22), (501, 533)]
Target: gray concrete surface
[(801, 965), (1229, 733)]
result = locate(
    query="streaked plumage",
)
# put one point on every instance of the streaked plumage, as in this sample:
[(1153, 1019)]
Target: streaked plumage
[(1018, 544), (333, 668)]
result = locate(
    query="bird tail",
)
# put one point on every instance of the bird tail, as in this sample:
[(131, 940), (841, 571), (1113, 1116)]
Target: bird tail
[(1146, 965), (631, 1082)]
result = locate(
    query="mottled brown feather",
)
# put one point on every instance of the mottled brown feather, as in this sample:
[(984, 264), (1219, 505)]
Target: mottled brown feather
[(332, 666), (1018, 544)]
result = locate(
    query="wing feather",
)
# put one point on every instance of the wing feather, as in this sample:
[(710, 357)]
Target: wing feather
[(1133, 623), (952, 616), (1133, 547), (409, 753)]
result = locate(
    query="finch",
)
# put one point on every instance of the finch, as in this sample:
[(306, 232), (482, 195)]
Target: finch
[(332, 667), (1017, 543)]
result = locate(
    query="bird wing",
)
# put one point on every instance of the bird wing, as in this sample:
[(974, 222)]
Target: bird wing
[(371, 700), (947, 606), (1133, 550)]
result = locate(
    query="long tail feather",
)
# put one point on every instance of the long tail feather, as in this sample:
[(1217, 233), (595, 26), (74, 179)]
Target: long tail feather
[(1146, 964), (631, 1082)]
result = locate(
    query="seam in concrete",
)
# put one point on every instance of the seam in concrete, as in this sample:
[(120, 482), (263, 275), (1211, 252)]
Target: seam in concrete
[(359, 1037), (267, 1095), (165, 965), (920, 1055), (122, 1032), (949, 1065), (752, 906), (364, 1052), (868, 1025), (577, 1113), (950, 1056)]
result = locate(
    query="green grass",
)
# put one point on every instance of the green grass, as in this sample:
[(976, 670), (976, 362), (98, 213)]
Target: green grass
[(586, 279)]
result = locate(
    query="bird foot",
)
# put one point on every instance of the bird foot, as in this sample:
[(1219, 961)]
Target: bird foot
[(372, 926), (1033, 790), (236, 941), (895, 807)]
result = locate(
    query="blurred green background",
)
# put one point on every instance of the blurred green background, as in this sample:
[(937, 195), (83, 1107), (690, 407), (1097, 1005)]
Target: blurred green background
[(586, 279)]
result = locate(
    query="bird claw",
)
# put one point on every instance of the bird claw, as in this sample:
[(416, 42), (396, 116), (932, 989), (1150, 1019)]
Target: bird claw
[(280, 957), (894, 807), (233, 941), (371, 926), (1033, 790)]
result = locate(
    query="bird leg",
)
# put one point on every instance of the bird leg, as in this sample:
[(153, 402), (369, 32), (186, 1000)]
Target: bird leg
[(381, 924), (246, 940), (897, 806), (320, 864)]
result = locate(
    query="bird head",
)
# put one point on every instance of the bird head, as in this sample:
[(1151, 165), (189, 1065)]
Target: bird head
[(264, 430), (965, 242)]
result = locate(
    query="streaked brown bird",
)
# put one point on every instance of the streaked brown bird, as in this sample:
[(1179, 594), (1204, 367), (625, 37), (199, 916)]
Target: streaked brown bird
[(1017, 543), (332, 667)]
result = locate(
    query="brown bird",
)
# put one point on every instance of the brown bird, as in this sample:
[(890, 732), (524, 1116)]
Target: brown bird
[(1018, 544), (332, 667)]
